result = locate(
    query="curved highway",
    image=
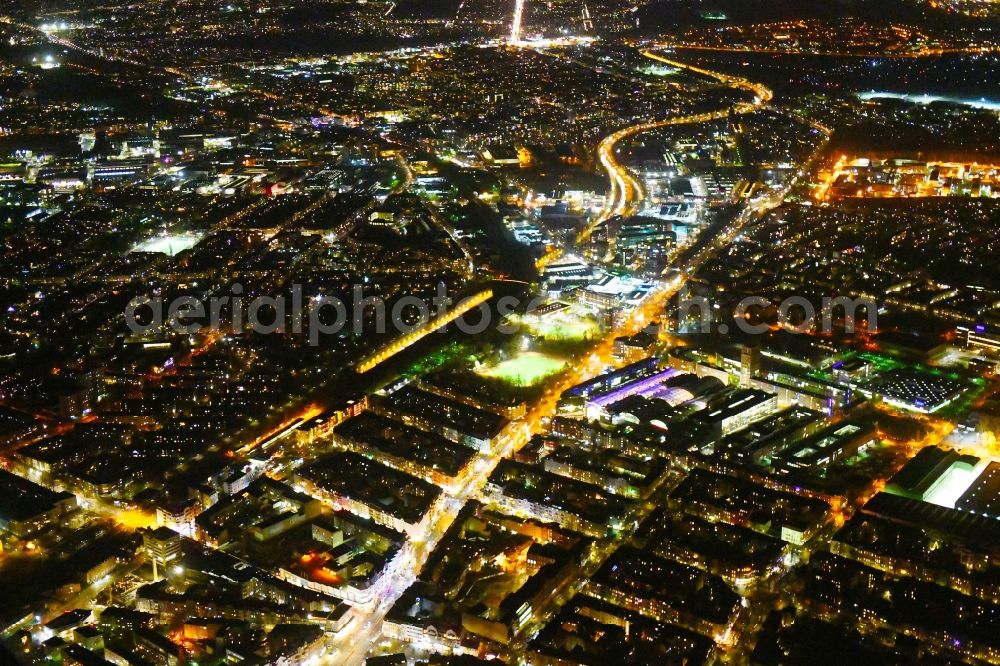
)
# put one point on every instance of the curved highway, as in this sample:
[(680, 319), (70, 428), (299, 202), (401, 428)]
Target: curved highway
[(626, 191)]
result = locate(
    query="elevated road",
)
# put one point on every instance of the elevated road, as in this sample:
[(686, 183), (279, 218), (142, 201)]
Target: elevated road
[(626, 191)]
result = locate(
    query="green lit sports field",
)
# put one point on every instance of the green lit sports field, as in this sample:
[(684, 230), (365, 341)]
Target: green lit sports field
[(564, 329), (527, 369)]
